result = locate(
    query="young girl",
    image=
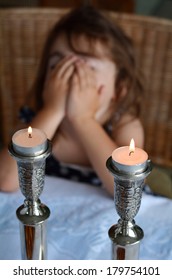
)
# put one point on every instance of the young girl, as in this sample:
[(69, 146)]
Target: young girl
[(87, 99)]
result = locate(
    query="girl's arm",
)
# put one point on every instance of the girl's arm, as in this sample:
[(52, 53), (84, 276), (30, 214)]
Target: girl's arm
[(99, 146), (83, 104), (8, 172), (54, 96), (47, 119)]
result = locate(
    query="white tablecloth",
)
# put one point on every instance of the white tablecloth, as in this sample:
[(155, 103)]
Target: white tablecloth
[(81, 216)]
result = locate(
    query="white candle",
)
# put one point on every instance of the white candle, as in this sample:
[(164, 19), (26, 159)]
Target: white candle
[(130, 159), (29, 142)]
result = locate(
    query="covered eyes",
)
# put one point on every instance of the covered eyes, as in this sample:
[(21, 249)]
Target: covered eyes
[(55, 58), (93, 64)]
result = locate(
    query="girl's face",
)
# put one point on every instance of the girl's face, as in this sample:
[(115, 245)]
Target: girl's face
[(105, 69)]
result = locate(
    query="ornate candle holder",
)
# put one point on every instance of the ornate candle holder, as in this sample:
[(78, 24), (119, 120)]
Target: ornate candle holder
[(128, 184), (32, 214)]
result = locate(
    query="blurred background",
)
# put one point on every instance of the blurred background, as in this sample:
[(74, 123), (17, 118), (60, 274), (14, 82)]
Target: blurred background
[(157, 45), (155, 8), (158, 8)]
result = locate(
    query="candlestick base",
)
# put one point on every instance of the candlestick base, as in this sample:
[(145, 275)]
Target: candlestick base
[(125, 236), (33, 230)]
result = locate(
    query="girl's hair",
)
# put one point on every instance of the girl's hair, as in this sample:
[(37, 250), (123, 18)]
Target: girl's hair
[(93, 24)]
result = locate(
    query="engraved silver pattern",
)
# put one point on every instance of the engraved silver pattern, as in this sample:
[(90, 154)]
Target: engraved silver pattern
[(128, 196), (31, 178)]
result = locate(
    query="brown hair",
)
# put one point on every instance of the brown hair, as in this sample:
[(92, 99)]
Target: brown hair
[(94, 25)]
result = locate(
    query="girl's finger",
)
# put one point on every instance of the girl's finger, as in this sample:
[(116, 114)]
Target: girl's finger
[(62, 66), (74, 82), (91, 76), (82, 74), (68, 73)]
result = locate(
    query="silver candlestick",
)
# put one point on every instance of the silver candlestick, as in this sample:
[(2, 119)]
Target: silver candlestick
[(128, 185), (32, 214)]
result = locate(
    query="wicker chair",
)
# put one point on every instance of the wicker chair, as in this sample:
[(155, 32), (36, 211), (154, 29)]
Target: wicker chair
[(22, 35)]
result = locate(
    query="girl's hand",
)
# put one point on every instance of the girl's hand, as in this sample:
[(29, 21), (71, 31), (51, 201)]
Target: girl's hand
[(84, 96), (57, 85)]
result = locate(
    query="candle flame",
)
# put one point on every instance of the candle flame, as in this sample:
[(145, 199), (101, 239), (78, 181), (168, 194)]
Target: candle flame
[(132, 147), (30, 132)]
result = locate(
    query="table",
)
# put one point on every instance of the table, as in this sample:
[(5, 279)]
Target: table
[(81, 216)]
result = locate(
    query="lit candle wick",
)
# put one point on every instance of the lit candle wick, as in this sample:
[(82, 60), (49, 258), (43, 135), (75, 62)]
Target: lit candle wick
[(29, 132), (131, 153), (132, 147)]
